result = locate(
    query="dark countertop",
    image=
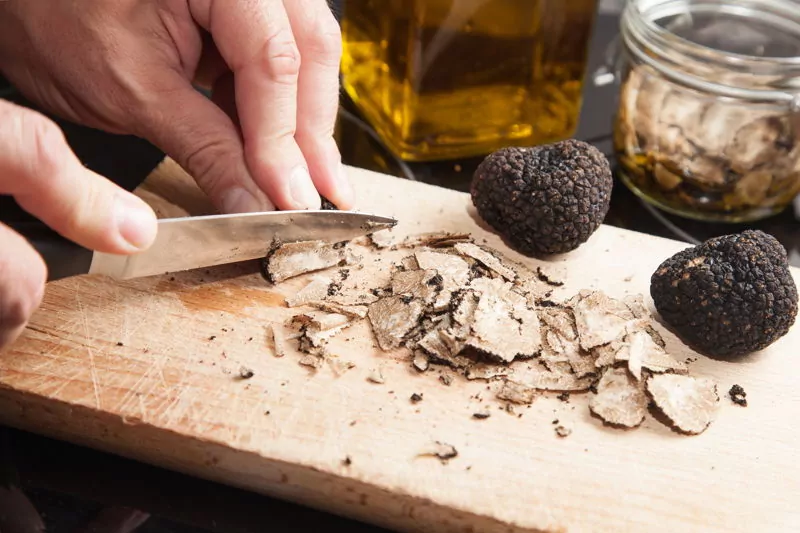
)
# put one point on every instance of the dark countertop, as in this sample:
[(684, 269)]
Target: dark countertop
[(70, 487)]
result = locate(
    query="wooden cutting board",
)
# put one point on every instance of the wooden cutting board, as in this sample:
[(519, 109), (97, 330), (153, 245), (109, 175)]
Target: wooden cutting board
[(148, 369)]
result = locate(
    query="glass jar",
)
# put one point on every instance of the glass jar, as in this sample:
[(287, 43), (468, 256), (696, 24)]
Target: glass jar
[(446, 79), (709, 106)]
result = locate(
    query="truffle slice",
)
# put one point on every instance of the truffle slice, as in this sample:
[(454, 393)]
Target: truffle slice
[(619, 400), (487, 371), (388, 239), (560, 381), (546, 199), (452, 268), (316, 289), (641, 351), (516, 392), (316, 329), (350, 311), (487, 259), (599, 318), (422, 284), (293, 259), (503, 326), (729, 296), (392, 318), (689, 403)]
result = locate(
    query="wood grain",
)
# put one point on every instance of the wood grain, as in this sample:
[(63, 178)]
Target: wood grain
[(148, 369)]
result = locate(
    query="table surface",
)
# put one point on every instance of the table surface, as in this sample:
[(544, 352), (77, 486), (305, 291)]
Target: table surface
[(71, 489)]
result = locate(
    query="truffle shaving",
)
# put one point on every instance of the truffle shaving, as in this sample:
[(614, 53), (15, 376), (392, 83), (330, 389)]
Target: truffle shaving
[(422, 284), (392, 318), (641, 351), (316, 329), (689, 403), (619, 400), (503, 326), (294, 259), (515, 392), (452, 268), (487, 259), (350, 311), (561, 382), (600, 319), (487, 371), (316, 289)]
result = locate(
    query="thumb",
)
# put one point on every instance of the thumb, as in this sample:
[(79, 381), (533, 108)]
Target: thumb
[(204, 140), (38, 168)]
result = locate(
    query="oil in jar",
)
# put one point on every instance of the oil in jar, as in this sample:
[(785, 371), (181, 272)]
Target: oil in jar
[(443, 79)]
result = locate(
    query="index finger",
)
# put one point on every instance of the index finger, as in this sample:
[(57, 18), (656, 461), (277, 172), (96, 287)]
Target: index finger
[(257, 43)]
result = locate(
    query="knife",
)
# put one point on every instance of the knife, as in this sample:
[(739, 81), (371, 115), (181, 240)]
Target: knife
[(187, 243)]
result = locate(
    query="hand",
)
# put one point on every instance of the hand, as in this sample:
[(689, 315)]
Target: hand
[(46, 179), (265, 139)]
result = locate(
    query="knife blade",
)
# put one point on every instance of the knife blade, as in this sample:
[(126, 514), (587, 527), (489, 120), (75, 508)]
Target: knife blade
[(187, 243)]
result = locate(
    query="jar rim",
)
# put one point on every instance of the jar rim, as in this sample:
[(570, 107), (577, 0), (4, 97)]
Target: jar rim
[(639, 29), (648, 11)]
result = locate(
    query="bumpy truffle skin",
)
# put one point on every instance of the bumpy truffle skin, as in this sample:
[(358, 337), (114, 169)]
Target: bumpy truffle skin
[(327, 205), (729, 296), (544, 200)]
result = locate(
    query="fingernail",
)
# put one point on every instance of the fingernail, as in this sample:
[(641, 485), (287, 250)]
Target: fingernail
[(344, 187), (136, 222), (304, 194), (239, 200)]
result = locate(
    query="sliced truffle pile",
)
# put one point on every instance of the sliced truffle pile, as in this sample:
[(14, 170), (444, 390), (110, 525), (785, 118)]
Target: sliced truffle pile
[(703, 153), (544, 200), (463, 308), (729, 296)]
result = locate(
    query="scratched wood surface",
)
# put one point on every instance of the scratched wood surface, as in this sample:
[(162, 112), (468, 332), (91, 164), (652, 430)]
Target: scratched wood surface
[(148, 369)]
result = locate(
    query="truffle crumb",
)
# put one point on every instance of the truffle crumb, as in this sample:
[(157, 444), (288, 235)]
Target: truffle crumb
[(563, 432), (416, 398), (347, 461), (738, 395), (245, 373), (443, 451), (481, 415), (376, 376), (421, 361)]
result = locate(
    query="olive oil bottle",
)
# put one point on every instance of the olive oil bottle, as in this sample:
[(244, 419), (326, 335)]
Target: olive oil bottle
[(445, 79)]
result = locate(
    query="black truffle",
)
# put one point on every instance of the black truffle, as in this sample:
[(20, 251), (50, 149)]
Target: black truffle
[(729, 296), (546, 199), (327, 205)]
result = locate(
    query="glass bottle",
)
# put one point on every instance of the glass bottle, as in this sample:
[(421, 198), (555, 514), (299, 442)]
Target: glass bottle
[(708, 122), (444, 79)]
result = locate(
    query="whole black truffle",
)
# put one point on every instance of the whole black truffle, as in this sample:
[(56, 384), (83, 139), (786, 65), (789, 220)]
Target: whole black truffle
[(544, 200), (729, 296)]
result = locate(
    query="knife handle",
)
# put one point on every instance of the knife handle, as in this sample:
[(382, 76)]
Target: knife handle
[(63, 257)]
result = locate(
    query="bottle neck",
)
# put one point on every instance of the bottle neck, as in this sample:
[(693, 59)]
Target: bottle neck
[(699, 44)]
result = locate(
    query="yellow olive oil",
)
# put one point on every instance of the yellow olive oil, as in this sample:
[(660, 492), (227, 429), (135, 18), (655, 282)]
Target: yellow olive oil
[(443, 79)]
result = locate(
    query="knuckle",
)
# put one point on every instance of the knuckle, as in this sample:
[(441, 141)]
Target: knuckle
[(323, 43), (282, 58), (209, 162), (44, 143)]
